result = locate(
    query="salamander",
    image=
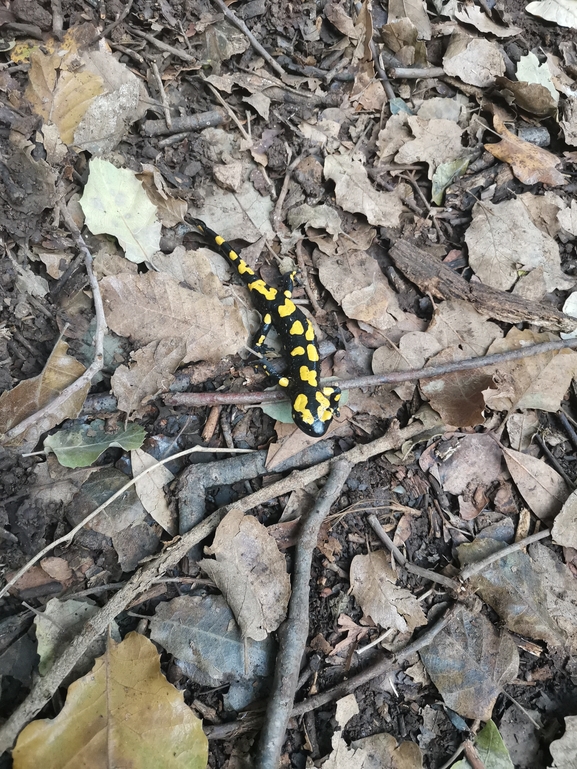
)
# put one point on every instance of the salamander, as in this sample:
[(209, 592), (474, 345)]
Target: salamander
[(313, 406)]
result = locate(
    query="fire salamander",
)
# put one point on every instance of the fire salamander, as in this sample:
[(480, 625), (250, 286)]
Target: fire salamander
[(313, 406)]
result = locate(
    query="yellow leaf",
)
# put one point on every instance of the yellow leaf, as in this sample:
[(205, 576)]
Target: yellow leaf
[(123, 713)]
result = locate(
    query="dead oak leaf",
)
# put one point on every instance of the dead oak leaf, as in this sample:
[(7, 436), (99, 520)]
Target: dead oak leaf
[(530, 164), (373, 585), (251, 573), (436, 141), (154, 306)]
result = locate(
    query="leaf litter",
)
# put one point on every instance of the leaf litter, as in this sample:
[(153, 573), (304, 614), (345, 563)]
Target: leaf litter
[(364, 186)]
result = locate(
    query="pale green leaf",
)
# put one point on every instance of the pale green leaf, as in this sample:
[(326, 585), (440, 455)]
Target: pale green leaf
[(445, 174), (491, 749), (83, 445), (115, 203), (529, 70)]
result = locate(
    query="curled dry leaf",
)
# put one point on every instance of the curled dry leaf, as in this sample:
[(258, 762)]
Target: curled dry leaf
[(561, 12), (542, 488), (475, 61), (31, 395), (436, 142), (251, 573), (530, 164), (373, 585), (150, 489)]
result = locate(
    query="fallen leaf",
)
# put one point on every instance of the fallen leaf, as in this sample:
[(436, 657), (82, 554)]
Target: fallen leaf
[(170, 211), (536, 382), (124, 712), (502, 240), (469, 661), (531, 70), (369, 298), (521, 429), (251, 573), (456, 324), (567, 218), (542, 488), (384, 752), (31, 395), (475, 461), (81, 446), (561, 12), (436, 142), (115, 203), (514, 589), (532, 97), (355, 193), (413, 351), (200, 632), (151, 372), (475, 61), (564, 750), (150, 489), (530, 164), (491, 749), (413, 10), (320, 217), (60, 96), (472, 14), (373, 585), (564, 531), (154, 306), (569, 123)]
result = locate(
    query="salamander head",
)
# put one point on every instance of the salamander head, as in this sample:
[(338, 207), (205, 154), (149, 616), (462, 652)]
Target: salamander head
[(313, 409)]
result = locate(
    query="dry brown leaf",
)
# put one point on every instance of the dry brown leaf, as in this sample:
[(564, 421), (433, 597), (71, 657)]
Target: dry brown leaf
[(369, 298), (564, 531), (373, 585), (251, 573), (568, 218), (413, 351), (542, 488), (474, 60), (31, 395), (436, 141), (150, 489), (456, 324), (475, 462), (502, 241), (154, 306), (383, 752), (537, 382), (123, 713), (472, 14), (336, 14), (569, 124), (60, 96), (531, 164), (393, 136), (532, 97), (151, 372), (355, 193), (170, 211), (564, 750)]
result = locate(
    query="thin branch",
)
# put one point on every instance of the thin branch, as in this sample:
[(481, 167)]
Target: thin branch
[(393, 377), (162, 94), (45, 687), (233, 18), (86, 378), (294, 632), (475, 568)]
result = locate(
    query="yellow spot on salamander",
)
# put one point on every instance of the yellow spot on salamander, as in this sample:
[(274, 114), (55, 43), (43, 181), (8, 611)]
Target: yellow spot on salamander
[(243, 268), (307, 375), (296, 328), (267, 320), (219, 241), (286, 309), (284, 381), (232, 255), (261, 339), (312, 352), (261, 288), (288, 293), (322, 399), (298, 351), (310, 332), (300, 405)]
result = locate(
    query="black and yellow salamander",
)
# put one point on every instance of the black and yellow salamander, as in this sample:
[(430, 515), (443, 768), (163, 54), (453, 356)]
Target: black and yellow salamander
[(313, 406)]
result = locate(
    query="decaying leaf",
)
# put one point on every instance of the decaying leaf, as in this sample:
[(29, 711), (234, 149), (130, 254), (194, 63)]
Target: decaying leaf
[(514, 589), (150, 489), (530, 164), (384, 752), (355, 193), (251, 572), (81, 446), (115, 203), (472, 14), (373, 585), (491, 750), (154, 306), (123, 713), (474, 60), (564, 750), (561, 12), (502, 241), (436, 142), (542, 488), (31, 395), (564, 531), (469, 662)]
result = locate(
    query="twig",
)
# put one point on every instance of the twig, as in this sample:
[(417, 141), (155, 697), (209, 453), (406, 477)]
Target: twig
[(178, 52), (96, 365), (412, 73), (421, 194), (72, 533), (381, 72), (57, 19), (294, 633), (229, 111), (45, 687), (553, 460), (393, 377), (568, 427), (475, 568), (300, 254), (418, 570), (182, 123), (277, 213), (162, 93), (233, 18)]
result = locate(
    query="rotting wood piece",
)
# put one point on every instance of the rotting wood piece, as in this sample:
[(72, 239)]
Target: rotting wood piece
[(435, 278)]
